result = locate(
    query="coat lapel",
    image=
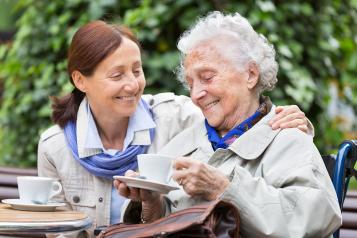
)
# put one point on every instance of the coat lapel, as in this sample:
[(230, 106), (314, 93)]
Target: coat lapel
[(194, 142), (191, 141), (254, 142)]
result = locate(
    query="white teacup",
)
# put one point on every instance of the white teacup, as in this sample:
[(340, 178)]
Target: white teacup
[(37, 190), (155, 167)]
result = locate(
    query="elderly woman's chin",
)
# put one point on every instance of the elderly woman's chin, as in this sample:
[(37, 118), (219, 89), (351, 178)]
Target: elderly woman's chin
[(214, 120)]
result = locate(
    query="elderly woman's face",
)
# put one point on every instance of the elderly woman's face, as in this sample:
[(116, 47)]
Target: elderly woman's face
[(217, 87)]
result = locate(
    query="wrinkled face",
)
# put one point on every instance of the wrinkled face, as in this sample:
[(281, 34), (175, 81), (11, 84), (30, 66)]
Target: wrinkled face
[(217, 87), (117, 84)]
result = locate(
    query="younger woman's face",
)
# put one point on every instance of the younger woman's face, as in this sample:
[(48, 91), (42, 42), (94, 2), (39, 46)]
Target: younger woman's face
[(116, 86)]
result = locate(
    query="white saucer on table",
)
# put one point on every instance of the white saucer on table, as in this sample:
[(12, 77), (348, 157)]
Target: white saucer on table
[(21, 205), (146, 184)]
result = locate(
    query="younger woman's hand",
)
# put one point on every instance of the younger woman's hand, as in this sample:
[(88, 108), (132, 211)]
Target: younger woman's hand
[(135, 194), (152, 202), (290, 117)]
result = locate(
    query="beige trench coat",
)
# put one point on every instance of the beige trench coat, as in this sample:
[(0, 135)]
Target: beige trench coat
[(84, 192), (279, 182)]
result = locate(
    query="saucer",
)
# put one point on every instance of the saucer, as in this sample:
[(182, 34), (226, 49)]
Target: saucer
[(146, 184), (21, 205)]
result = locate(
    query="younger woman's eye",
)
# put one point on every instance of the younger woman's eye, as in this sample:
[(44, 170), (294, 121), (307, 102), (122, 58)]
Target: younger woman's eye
[(116, 75)]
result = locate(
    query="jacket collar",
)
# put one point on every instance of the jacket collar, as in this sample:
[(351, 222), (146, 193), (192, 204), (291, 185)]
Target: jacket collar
[(249, 146), (82, 130), (141, 133), (254, 142)]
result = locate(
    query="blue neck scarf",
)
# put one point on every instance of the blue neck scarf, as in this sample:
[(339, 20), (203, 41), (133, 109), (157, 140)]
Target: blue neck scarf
[(223, 142), (104, 165)]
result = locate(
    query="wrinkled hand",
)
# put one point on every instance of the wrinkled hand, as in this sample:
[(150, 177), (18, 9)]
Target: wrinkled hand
[(199, 179), (152, 202), (289, 117)]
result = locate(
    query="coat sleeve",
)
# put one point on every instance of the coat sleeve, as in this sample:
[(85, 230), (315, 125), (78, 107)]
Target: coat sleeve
[(310, 128), (172, 114), (45, 163), (46, 168), (294, 196)]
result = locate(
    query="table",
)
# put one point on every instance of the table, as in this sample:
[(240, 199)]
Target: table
[(25, 222)]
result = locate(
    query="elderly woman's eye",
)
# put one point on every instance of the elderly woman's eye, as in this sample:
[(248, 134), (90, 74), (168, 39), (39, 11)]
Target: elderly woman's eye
[(137, 72), (207, 76)]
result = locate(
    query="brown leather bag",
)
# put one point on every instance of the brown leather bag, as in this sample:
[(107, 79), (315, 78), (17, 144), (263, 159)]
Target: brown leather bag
[(213, 219)]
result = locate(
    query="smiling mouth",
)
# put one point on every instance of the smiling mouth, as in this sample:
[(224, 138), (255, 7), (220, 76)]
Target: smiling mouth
[(211, 104), (127, 98)]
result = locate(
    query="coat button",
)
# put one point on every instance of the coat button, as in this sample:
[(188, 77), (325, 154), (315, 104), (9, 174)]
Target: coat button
[(100, 199), (76, 199)]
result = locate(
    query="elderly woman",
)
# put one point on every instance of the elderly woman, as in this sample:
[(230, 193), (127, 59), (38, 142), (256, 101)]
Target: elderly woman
[(276, 178)]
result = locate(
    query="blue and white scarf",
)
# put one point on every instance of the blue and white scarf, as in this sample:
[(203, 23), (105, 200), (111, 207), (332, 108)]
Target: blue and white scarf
[(104, 165)]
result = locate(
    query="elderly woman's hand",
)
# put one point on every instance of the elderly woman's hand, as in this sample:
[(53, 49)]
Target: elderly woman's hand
[(289, 117), (152, 202), (199, 179)]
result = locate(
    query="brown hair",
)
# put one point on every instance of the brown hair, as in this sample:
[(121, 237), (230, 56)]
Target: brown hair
[(91, 44)]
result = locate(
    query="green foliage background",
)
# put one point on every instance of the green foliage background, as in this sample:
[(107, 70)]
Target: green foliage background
[(315, 42)]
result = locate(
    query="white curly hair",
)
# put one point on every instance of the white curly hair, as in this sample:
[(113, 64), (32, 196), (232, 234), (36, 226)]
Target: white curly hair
[(246, 45)]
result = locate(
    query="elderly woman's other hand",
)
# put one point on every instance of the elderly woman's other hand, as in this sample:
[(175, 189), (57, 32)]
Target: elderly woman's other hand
[(290, 117), (199, 179)]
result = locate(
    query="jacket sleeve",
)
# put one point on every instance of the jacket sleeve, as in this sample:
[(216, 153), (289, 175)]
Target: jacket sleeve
[(293, 198), (45, 164), (172, 114), (310, 128), (46, 168)]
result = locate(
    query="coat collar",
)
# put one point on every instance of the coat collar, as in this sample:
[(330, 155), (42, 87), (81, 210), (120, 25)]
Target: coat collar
[(249, 146), (254, 142), (141, 130), (82, 130)]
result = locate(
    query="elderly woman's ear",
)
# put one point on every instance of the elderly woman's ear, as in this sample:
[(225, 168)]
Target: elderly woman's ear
[(253, 75), (79, 80)]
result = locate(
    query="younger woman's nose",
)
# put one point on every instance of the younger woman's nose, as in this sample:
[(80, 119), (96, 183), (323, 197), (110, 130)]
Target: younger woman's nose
[(132, 84)]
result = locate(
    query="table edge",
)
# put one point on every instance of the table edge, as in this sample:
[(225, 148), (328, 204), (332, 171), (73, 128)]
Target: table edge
[(45, 227)]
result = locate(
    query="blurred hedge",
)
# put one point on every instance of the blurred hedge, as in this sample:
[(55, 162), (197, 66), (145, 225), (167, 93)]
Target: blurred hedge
[(315, 41)]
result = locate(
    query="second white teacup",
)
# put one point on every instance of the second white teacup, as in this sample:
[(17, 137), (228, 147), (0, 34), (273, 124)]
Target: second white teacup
[(37, 190), (155, 167)]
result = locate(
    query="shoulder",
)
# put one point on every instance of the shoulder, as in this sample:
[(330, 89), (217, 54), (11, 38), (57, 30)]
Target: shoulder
[(167, 98), (52, 140), (54, 130), (157, 99), (293, 148), (169, 104), (293, 137)]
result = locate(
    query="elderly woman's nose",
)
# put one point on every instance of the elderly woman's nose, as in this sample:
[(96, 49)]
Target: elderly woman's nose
[(197, 92)]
